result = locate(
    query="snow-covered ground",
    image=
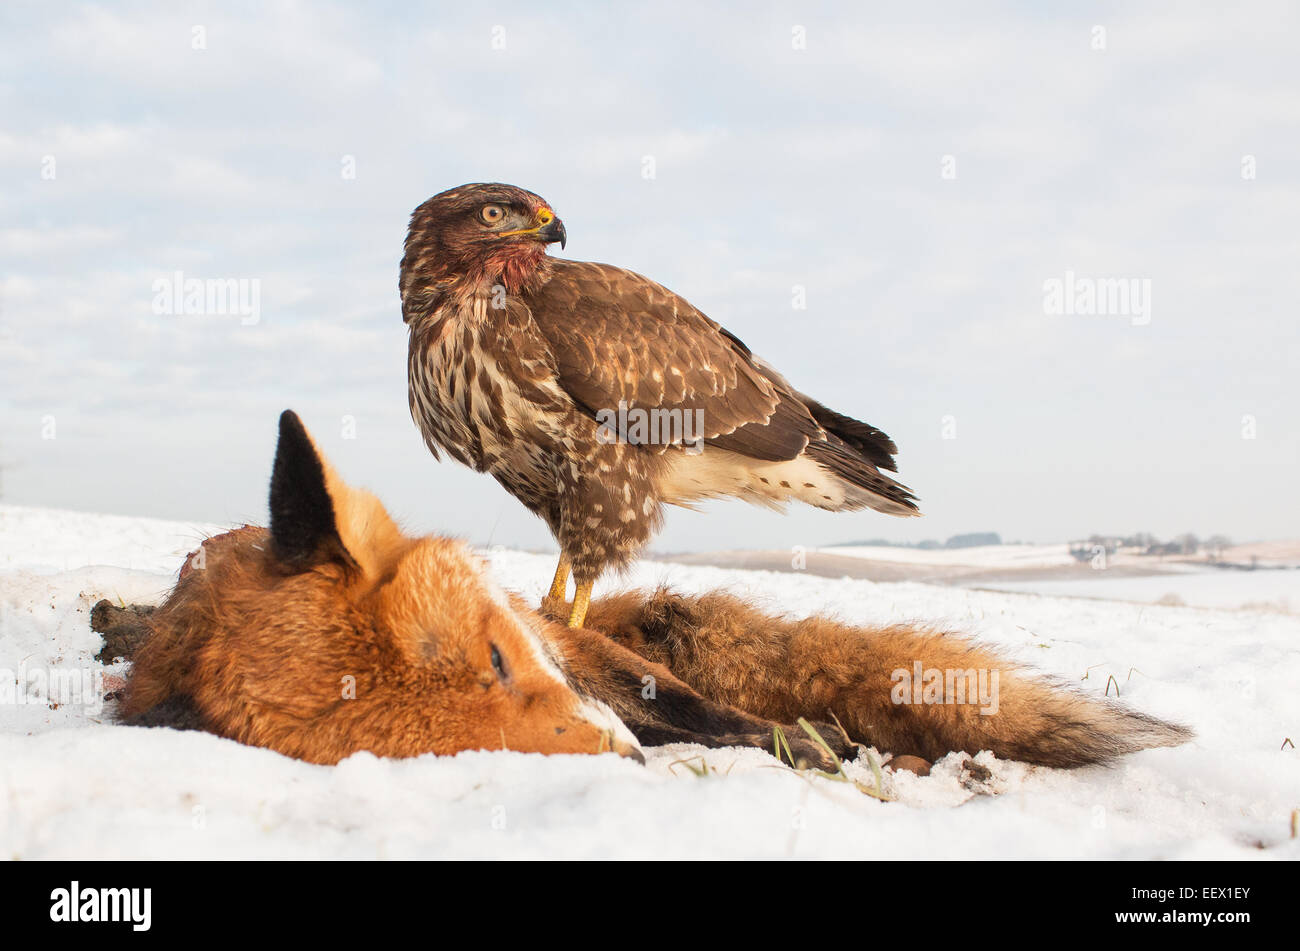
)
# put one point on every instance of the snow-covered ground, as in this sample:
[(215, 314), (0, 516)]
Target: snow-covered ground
[(1263, 590), (1275, 586), (981, 556), (73, 785)]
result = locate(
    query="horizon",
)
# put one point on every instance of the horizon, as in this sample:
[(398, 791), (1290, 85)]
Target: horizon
[(654, 549)]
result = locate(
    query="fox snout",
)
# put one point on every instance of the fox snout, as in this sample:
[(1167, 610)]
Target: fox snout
[(577, 738), (611, 734)]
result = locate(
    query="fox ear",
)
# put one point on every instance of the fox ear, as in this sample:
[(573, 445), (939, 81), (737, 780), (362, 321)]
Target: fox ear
[(304, 529)]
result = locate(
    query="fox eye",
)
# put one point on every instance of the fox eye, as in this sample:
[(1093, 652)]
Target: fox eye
[(499, 665), (491, 214)]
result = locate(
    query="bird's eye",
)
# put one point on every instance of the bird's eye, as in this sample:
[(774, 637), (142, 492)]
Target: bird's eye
[(498, 665), (491, 214)]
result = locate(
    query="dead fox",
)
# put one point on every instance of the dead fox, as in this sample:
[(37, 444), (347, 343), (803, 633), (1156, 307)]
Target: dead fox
[(332, 632)]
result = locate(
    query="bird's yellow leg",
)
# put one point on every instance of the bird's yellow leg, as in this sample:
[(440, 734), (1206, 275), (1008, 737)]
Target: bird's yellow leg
[(581, 601), (560, 585)]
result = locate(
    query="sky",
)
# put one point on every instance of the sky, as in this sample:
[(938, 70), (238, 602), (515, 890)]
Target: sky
[(1055, 254)]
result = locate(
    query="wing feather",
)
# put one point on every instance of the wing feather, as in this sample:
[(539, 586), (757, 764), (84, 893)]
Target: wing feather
[(616, 336), (619, 337)]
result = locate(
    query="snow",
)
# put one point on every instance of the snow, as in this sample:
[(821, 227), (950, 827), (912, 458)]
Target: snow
[(72, 785), (979, 556), (1264, 589)]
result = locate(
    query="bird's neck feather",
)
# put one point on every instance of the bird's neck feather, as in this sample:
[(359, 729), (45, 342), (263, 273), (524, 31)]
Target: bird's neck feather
[(516, 268)]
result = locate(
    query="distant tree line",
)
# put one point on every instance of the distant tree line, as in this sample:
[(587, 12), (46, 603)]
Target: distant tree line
[(969, 540), (1144, 543)]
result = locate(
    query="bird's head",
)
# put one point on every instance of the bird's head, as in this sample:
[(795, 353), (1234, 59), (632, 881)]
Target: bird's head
[(475, 236)]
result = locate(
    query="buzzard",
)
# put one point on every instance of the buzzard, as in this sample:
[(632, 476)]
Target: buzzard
[(594, 395)]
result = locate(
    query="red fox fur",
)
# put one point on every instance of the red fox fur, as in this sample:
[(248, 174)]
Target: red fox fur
[(332, 632)]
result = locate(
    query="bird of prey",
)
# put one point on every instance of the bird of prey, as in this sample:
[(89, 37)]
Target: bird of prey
[(594, 395)]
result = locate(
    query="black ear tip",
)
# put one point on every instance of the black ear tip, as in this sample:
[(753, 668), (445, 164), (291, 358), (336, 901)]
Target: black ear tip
[(294, 437), (290, 423), (294, 449)]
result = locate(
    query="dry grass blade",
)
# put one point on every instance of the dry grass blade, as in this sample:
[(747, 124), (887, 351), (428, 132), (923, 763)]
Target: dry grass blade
[(701, 771), (779, 742), (841, 775)]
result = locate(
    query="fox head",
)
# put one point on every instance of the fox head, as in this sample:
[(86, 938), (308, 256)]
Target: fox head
[(333, 632)]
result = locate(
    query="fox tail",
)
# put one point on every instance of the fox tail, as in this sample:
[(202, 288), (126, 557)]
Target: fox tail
[(902, 688)]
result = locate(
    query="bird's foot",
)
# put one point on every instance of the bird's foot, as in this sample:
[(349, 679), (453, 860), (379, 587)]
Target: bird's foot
[(581, 601)]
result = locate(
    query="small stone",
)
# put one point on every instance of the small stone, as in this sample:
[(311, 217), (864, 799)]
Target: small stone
[(912, 764)]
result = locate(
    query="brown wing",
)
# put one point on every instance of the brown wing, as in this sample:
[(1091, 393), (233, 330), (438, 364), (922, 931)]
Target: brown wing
[(617, 336)]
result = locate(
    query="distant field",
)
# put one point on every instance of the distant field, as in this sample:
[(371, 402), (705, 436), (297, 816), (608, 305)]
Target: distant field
[(1051, 570), (1266, 590), (984, 556)]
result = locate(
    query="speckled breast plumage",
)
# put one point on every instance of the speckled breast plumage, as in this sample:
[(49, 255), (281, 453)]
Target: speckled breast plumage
[(482, 388)]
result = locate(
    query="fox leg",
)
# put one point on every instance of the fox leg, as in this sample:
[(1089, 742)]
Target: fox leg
[(659, 708), (124, 628)]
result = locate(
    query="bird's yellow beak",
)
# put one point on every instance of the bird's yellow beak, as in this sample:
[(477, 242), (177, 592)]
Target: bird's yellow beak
[(546, 227)]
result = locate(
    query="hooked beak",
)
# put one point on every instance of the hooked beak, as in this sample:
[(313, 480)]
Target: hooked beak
[(546, 228), (553, 231)]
